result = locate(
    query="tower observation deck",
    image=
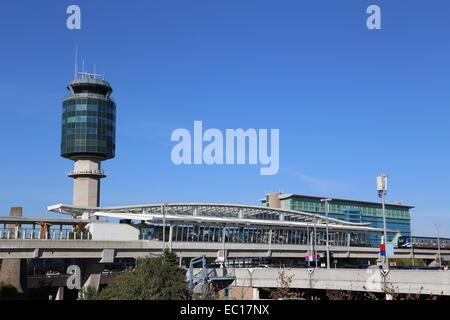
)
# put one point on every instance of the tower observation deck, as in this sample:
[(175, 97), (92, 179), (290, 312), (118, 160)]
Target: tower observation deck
[(88, 135)]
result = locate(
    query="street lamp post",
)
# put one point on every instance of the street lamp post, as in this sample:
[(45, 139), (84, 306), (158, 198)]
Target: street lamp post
[(382, 190), (439, 245), (308, 243), (315, 241), (412, 246), (163, 211), (327, 210), (224, 232)]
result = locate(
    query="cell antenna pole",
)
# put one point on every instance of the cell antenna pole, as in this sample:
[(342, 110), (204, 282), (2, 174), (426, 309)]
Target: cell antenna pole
[(76, 61)]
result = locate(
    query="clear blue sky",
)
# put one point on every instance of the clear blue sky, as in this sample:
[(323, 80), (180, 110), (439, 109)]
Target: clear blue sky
[(350, 103)]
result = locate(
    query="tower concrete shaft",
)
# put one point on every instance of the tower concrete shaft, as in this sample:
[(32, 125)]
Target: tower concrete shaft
[(13, 271), (86, 181)]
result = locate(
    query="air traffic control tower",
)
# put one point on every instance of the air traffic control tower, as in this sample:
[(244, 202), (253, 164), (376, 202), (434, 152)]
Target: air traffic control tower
[(88, 135)]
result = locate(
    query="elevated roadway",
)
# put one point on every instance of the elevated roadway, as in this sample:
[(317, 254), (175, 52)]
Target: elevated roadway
[(414, 282), (107, 251), (426, 282)]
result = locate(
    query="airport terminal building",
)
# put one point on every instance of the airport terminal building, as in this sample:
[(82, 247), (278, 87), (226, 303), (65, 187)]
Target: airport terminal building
[(88, 139), (397, 215)]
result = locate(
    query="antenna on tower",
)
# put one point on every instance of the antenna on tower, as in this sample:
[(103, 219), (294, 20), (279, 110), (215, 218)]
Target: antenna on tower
[(83, 68), (94, 71), (76, 61)]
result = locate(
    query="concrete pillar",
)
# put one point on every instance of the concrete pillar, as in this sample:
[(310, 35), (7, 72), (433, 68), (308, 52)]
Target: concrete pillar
[(44, 230), (91, 273), (86, 182), (60, 294), (16, 211), (255, 293), (274, 199), (13, 271), (86, 192)]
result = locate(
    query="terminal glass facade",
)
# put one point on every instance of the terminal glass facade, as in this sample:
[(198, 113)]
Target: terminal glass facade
[(397, 216), (307, 236)]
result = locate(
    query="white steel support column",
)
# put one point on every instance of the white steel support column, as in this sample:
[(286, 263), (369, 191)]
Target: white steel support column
[(327, 210), (223, 246), (170, 237)]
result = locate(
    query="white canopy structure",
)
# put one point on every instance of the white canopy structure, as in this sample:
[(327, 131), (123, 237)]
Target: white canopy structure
[(212, 214)]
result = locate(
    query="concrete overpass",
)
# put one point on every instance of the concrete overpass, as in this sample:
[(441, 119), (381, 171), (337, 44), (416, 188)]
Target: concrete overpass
[(251, 280), (91, 253), (426, 282), (107, 251)]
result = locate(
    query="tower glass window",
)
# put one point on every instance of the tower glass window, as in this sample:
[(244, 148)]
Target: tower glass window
[(88, 120)]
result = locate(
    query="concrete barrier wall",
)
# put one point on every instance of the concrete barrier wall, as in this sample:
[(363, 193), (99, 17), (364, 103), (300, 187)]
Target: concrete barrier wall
[(370, 280)]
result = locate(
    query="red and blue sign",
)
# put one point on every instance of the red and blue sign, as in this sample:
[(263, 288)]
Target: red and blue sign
[(383, 249), (312, 257)]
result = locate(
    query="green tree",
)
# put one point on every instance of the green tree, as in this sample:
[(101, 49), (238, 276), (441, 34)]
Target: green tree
[(88, 293), (157, 278)]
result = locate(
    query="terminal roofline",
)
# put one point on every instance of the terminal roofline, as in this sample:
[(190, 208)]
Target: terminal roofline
[(159, 218), (283, 196), (77, 211)]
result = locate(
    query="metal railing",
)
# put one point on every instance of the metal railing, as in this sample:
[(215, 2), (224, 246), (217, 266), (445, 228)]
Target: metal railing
[(36, 234), (85, 172)]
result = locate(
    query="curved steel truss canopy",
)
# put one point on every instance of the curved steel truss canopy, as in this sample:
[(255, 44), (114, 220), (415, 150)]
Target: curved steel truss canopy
[(232, 211)]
